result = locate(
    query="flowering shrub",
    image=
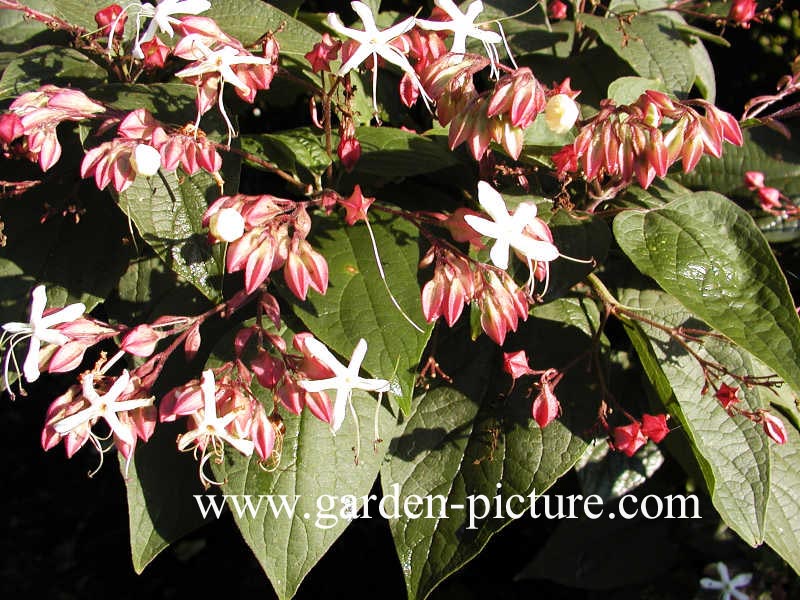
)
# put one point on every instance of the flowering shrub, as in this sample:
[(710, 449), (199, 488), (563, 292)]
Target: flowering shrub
[(415, 246)]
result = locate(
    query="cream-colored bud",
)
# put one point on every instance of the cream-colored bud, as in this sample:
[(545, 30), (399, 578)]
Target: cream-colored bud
[(561, 113), (145, 160), (227, 225)]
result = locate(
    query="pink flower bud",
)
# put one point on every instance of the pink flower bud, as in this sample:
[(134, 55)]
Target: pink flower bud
[(111, 15), (141, 340), (67, 357), (349, 152), (742, 12), (754, 180), (192, 343), (322, 53), (291, 395), (556, 10), (10, 128), (546, 407), (770, 198), (774, 428), (263, 434), (268, 369)]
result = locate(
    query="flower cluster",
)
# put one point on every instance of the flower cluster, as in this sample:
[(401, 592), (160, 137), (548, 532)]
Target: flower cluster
[(644, 139), (266, 233), (142, 147), (36, 115), (771, 199)]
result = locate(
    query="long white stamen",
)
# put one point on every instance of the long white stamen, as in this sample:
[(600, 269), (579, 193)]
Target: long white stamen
[(505, 44), (383, 278)]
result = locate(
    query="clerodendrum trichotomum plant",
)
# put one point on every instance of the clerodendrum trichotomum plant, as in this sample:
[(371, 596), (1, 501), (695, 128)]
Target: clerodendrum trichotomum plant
[(461, 253)]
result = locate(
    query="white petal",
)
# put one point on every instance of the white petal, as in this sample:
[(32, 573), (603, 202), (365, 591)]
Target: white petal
[(483, 226), (51, 336), (318, 385), (30, 367), (486, 36), (499, 254), (372, 385), (450, 8), (742, 580), (459, 45), (362, 53), (209, 389), (393, 55), (38, 303), (724, 574), (357, 358), (739, 595), (193, 7), (115, 391), (397, 29), (492, 202), (67, 424), (365, 14), (473, 10), (340, 407), (435, 25), (123, 432), (535, 249), (65, 315), (335, 23), (246, 447), (710, 584), (17, 327), (127, 405)]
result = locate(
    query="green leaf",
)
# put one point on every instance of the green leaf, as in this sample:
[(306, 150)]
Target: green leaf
[(733, 452), (652, 46), (315, 473), (78, 12), (626, 90), (393, 153), (708, 253), (705, 79), (168, 214), (300, 151), (248, 20), (51, 65), (161, 484), (357, 304), (580, 236), (783, 510), (763, 150), (470, 439), (16, 29)]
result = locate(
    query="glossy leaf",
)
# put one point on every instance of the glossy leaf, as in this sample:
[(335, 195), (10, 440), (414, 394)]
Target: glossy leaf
[(391, 153), (732, 452), (708, 253), (49, 65), (471, 439)]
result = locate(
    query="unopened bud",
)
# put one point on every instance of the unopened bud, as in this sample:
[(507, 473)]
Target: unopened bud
[(226, 225), (561, 113), (145, 160)]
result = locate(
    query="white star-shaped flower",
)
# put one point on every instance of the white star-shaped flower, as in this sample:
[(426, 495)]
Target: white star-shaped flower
[(211, 429), (508, 230), (162, 19), (219, 62), (374, 42), (345, 379), (106, 406), (726, 585), (38, 330), (463, 26)]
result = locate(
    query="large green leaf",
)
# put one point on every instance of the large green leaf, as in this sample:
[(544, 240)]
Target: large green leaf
[(469, 440), (161, 484), (357, 305), (392, 153), (783, 509), (248, 20), (763, 150), (705, 79), (708, 253), (651, 45), (316, 473), (732, 452), (49, 65)]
